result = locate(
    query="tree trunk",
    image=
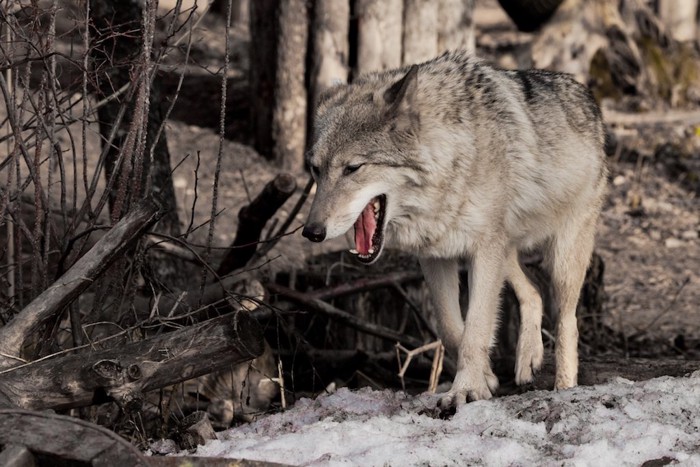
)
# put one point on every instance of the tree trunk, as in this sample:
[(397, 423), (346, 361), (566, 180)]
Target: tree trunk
[(289, 114), (679, 18), (263, 63), (380, 29), (420, 31), (330, 46), (117, 47), (456, 25)]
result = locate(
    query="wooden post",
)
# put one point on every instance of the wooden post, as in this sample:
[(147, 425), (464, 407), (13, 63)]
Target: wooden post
[(330, 46), (289, 113), (380, 32), (679, 18), (456, 25), (263, 63), (420, 31)]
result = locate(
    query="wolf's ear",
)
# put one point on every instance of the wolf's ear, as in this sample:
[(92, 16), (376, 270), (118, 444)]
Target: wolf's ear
[(400, 100), (403, 88)]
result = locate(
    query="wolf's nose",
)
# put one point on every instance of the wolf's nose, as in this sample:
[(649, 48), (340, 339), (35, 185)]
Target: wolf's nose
[(314, 232)]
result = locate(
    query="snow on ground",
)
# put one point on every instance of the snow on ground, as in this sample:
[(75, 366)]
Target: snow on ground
[(619, 423)]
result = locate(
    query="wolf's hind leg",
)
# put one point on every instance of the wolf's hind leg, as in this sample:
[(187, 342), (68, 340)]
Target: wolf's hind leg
[(568, 257), (530, 350)]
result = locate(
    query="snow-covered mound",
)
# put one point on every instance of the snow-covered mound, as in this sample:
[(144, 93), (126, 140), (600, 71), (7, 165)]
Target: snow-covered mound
[(619, 423)]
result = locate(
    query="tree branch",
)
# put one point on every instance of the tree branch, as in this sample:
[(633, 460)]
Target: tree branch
[(342, 316), (78, 278)]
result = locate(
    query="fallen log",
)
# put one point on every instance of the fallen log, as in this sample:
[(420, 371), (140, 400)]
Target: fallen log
[(14, 455), (70, 440), (78, 278), (62, 440), (125, 372)]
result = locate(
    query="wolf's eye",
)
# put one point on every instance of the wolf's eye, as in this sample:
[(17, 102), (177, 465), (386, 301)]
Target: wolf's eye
[(351, 168), (315, 171)]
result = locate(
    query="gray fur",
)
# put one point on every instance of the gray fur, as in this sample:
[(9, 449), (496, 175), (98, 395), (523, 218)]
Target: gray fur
[(477, 163)]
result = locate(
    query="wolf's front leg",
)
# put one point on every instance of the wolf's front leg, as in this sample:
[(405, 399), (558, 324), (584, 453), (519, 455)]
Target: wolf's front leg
[(475, 380), (442, 278), (470, 345)]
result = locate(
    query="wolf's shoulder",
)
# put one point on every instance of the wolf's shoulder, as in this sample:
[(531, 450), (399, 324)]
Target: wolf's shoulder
[(547, 81)]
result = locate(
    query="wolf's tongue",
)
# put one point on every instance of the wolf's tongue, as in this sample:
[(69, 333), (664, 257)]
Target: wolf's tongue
[(365, 225)]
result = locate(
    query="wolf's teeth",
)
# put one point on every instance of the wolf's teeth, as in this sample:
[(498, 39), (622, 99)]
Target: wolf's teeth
[(354, 251), (371, 251), (376, 206)]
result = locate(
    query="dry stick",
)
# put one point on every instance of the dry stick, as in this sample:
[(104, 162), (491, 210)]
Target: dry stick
[(687, 117), (644, 330), (436, 367), (417, 312), (390, 280), (16, 129), (86, 46), (364, 284), (6, 199), (219, 154), (252, 219), (343, 316), (83, 98), (77, 278), (148, 15), (84, 122), (51, 134), (282, 231)]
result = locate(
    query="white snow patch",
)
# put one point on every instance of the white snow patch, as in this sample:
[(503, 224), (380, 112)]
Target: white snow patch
[(619, 423)]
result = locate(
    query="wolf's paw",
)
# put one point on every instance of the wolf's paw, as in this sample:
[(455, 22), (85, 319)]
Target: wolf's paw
[(564, 380), (529, 356), (470, 385)]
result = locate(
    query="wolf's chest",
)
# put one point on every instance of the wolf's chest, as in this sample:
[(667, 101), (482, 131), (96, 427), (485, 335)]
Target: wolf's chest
[(443, 238)]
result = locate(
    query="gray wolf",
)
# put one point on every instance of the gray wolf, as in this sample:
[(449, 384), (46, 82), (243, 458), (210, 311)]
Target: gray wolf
[(454, 159)]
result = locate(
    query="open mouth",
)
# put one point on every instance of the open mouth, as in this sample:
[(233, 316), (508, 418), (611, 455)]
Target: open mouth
[(369, 235)]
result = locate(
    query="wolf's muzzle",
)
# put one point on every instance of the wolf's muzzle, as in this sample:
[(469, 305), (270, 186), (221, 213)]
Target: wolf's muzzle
[(314, 232)]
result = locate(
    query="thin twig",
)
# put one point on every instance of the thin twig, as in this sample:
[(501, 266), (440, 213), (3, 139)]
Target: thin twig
[(343, 316), (219, 154), (643, 331), (436, 368)]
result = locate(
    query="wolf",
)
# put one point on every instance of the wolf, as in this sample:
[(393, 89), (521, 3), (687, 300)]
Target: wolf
[(454, 159)]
